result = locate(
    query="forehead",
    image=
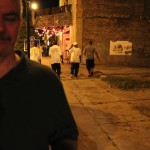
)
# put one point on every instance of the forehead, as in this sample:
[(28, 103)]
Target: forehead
[(7, 6)]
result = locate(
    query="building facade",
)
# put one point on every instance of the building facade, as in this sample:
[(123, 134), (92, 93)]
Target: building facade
[(119, 29)]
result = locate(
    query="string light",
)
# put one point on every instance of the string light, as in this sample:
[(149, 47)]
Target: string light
[(52, 30)]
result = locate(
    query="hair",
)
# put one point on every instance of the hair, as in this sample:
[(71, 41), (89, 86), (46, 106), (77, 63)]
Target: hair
[(55, 43), (90, 42), (35, 44)]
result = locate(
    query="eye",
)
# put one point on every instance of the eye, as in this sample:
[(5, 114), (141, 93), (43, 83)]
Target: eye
[(11, 17)]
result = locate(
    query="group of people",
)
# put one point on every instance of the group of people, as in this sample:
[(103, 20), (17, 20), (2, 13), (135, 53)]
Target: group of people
[(55, 53)]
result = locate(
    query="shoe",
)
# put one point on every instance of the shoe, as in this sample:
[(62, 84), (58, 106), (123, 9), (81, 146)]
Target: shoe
[(76, 77), (92, 74), (89, 75)]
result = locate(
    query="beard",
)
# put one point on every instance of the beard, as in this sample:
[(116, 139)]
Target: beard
[(6, 46)]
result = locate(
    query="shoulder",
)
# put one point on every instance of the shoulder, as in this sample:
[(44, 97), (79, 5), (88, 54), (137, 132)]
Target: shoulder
[(38, 70), (71, 49), (92, 48), (51, 47), (86, 47), (31, 48), (34, 71)]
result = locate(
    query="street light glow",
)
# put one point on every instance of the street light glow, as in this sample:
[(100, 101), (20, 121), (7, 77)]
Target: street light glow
[(34, 6)]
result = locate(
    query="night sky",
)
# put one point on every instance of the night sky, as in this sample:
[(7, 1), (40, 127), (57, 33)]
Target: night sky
[(48, 3)]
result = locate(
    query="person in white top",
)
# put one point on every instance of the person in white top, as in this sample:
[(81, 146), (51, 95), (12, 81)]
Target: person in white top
[(75, 59), (55, 53), (36, 53)]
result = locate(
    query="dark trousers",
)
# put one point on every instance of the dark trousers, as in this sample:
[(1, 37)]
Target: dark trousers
[(90, 64), (57, 68), (74, 68)]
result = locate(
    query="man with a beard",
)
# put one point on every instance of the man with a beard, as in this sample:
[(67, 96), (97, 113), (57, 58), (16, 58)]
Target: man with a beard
[(34, 112)]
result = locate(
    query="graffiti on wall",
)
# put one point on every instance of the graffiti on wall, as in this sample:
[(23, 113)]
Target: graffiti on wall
[(120, 48)]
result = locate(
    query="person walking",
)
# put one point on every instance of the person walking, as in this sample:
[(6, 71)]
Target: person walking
[(75, 59), (36, 53), (89, 52), (34, 111), (55, 54)]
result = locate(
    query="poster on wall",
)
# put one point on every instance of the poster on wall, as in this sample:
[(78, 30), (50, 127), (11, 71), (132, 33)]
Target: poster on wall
[(120, 48)]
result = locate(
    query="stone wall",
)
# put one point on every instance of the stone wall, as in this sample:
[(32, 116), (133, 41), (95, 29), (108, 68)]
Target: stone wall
[(117, 20)]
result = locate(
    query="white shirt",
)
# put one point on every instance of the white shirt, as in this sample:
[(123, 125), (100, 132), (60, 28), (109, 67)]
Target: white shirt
[(75, 54), (35, 54), (55, 53)]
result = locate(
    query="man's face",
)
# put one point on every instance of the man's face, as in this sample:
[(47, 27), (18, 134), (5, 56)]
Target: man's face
[(10, 21)]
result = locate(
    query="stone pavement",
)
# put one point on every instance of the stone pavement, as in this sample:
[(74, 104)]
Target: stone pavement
[(108, 118)]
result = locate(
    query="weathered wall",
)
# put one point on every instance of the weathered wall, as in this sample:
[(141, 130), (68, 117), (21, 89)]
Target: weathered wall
[(117, 20)]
